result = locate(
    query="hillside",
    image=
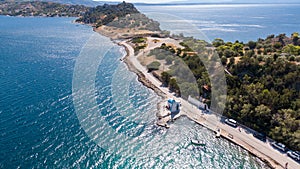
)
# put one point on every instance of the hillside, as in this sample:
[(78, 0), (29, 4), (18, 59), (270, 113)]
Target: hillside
[(123, 15), (38, 8), (263, 83), (89, 3), (264, 88), (102, 15)]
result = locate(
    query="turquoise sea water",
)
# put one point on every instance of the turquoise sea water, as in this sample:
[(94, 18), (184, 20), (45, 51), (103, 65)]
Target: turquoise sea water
[(39, 127), (40, 112)]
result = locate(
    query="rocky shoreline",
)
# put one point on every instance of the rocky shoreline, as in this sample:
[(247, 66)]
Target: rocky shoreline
[(141, 76), (273, 164), (147, 83), (242, 139)]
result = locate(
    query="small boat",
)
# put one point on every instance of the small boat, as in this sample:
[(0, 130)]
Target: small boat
[(198, 142), (218, 133)]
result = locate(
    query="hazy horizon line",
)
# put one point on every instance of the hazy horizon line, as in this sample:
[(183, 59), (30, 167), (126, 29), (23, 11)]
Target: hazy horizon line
[(215, 3)]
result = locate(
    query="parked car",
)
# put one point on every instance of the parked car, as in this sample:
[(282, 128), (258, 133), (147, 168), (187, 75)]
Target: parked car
[(294, 155), (260, 136), (279, 146), (231, 122)]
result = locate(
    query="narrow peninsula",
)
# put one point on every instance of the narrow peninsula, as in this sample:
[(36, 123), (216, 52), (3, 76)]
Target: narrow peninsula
[(262, 76), (163, 62)]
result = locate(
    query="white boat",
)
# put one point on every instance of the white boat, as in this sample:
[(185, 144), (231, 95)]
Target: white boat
[(218, 133), (198, 142)]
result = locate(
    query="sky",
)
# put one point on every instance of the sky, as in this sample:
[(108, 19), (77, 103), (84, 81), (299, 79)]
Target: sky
[(207, 1)]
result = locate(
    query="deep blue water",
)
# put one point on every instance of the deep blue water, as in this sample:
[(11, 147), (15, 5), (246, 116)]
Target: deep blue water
[(38, 126), (68, 102), (230, 22)]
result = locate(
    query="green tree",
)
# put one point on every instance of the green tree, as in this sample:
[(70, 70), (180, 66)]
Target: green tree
[(287, 128), (178, 51), (246, 112), (169, 60), (228, 53), (173, 86), (218, 42), (250, 53), (187, 89), (238, 48), (231, 61), (252, 44), (153, 66), (224, 60), (263, 117), (165, 77), (277, 45), (281, 38), (292, 49), (271, 36)]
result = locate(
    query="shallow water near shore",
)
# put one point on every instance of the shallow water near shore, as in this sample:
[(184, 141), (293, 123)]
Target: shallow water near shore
[(39, 126)]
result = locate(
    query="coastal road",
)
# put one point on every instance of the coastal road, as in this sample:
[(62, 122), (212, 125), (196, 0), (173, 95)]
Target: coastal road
[(245, 139), (259, 147), (241, 137)]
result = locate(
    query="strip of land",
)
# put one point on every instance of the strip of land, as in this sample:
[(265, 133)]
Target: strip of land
[(124, 21), (131, 24), (239, 136)]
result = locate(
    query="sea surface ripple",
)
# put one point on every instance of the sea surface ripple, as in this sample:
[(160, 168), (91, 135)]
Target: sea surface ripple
[(39, 127)]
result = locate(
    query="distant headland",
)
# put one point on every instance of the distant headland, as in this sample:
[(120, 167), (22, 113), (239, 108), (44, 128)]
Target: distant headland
[(41, 9)]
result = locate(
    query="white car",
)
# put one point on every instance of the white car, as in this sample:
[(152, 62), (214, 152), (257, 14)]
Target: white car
[(294, 155), (279, 146), (231, 122)]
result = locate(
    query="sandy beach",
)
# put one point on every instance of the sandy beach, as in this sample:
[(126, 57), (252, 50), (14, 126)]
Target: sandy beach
[(239, 136)]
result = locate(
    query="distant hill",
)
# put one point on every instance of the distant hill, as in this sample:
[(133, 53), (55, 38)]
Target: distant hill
[(39, 8), (77, 2), (119, 18), (102, 15), (90, 3), (123, 15)]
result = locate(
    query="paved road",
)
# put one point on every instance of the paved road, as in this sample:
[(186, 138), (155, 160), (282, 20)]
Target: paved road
[(240, 137), (211, 121)]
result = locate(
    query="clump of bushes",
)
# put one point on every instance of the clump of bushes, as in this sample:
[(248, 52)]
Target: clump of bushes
[(153, 66)]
